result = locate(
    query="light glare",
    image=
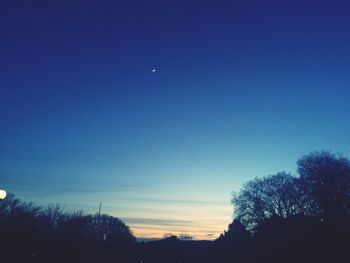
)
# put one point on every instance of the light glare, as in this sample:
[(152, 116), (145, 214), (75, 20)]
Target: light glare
[(2, 194)]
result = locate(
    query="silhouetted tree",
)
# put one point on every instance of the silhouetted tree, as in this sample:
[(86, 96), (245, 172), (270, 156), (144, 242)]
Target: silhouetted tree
[(32, 234), (261, 198), (233, 243), (236, 231), (299, 218), (327, 178), (109, 229), (9, 205), (53, 215)]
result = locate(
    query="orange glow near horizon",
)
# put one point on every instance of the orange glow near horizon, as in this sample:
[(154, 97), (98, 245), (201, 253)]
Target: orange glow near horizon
[(203, 222), (144, 231)]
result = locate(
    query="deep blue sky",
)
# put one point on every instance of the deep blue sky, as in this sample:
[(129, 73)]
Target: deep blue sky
[(241, 89)]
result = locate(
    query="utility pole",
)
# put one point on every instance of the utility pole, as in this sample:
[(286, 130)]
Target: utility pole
[(99, 209)]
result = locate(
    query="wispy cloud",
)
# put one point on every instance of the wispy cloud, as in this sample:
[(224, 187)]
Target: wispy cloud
[(160, 222), (174, 201)]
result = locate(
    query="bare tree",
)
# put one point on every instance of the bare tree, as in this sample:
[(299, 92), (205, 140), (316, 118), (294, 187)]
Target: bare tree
[(261, 198), (327, 176)]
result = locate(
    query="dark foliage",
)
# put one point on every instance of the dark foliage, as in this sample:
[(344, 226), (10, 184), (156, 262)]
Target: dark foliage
[(33, 234), (303, 218), (327, 178)]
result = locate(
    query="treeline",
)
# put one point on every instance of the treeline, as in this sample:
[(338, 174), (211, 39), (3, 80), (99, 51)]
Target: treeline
[(286, 218), (278, 218), (29, 233), (322, 189)]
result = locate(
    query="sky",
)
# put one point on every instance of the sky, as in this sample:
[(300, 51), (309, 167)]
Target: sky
[(241, 89)]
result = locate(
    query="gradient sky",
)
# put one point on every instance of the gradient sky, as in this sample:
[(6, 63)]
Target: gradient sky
[(241, 89)]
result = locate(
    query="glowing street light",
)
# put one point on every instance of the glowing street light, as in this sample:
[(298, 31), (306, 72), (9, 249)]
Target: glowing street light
[(2, 194)]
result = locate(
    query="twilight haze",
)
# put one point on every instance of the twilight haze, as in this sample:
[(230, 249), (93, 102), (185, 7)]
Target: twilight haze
[(161, 109)]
